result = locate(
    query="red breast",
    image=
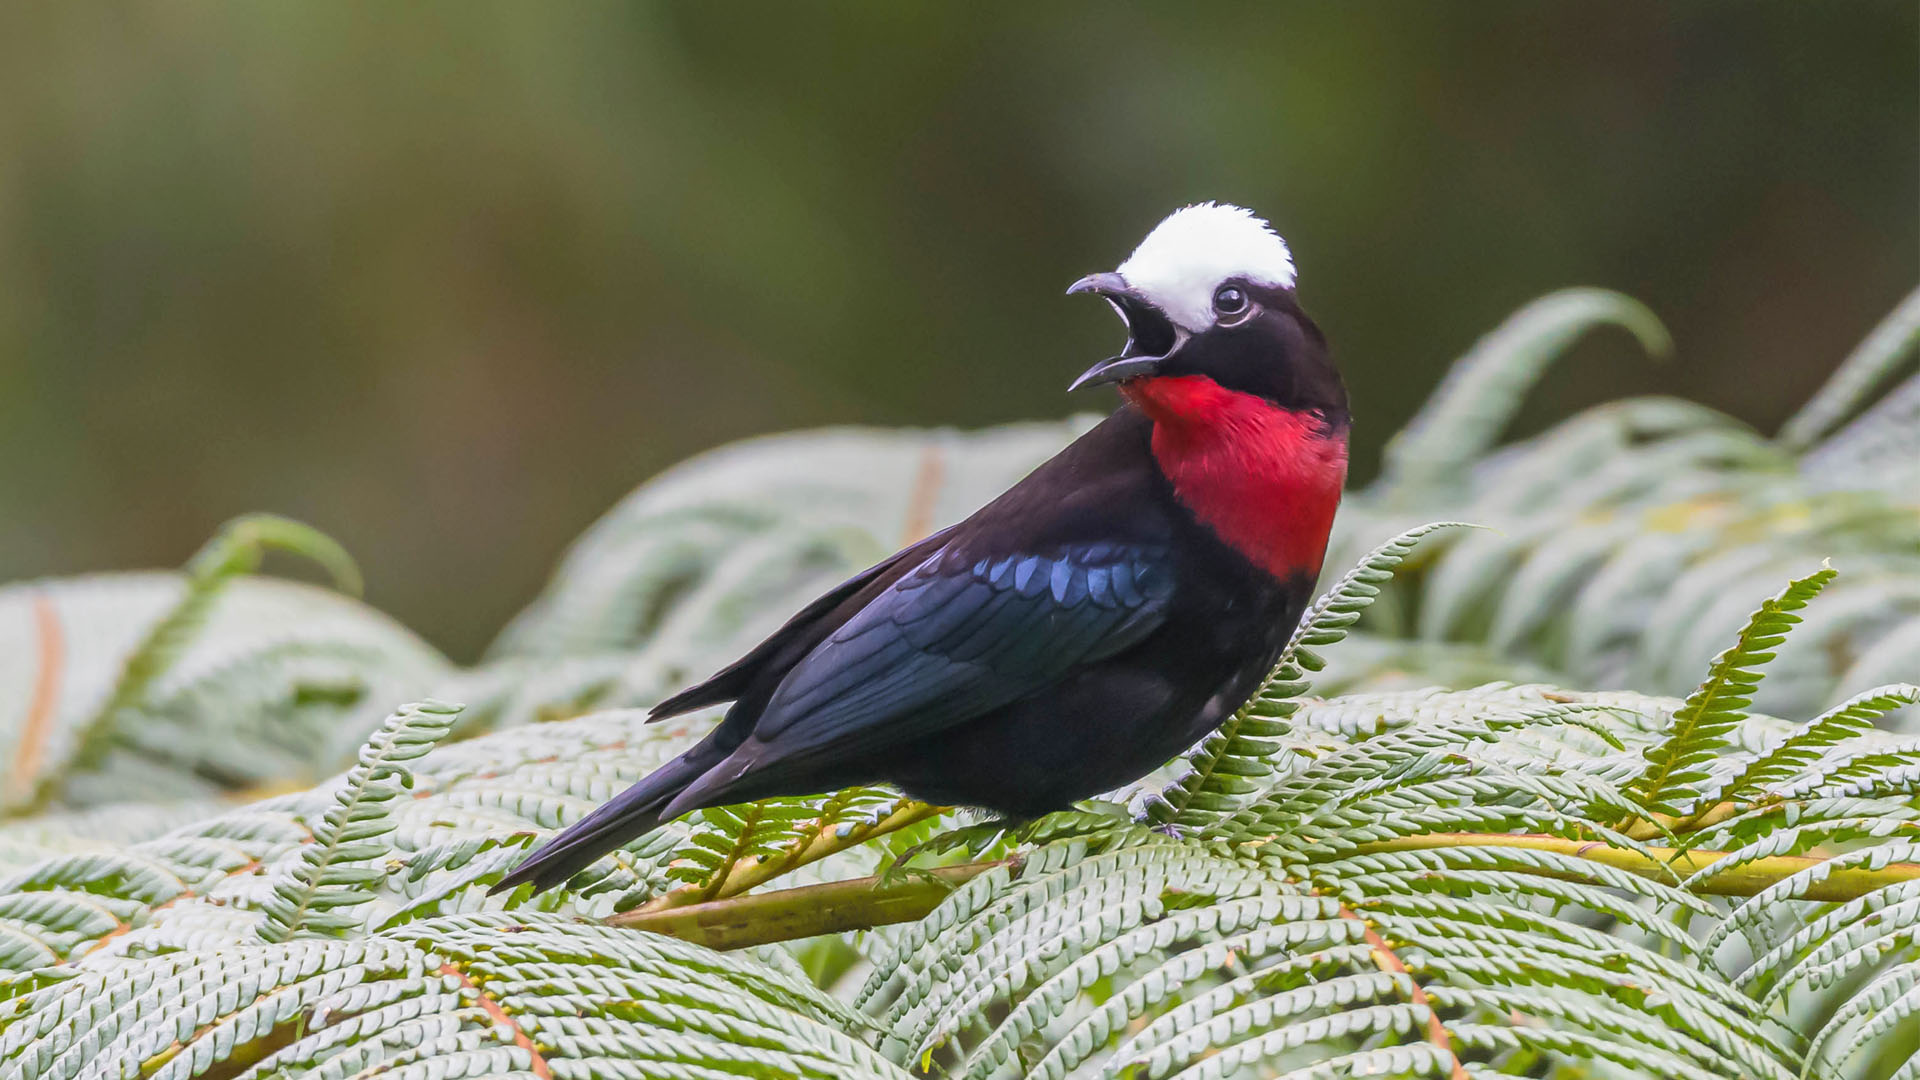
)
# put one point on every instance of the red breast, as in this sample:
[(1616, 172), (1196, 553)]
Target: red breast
[(1265, 479)]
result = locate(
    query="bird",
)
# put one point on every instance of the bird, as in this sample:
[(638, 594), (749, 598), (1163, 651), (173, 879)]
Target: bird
[(1087, 625)]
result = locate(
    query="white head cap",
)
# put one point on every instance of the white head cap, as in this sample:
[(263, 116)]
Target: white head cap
[(1187, 256)]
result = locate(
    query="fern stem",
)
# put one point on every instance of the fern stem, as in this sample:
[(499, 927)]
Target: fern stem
[(503, 1021), (924, 499), (1746, 879), (1389, 961), (864, 903), (40, 707), (807, 911)]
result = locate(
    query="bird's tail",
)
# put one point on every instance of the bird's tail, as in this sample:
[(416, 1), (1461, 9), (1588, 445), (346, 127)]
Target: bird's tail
[(634, 812)]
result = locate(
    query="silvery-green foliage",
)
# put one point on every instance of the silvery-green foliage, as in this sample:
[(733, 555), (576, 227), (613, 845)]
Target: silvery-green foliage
[(348, 926), (1880, 354), (1679, 763), (28, 840), (1624, 544), (1279, 931), (333, 876), (1323, 901), (479, 994), (1289, 937), (1880, 448), (275, 683), (1466, 413)]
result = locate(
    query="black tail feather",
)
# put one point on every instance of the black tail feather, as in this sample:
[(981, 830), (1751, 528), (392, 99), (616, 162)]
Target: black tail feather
[(632, 813), (722, 687)]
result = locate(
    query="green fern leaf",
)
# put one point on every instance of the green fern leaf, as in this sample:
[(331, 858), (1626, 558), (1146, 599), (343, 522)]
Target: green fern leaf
[(334, 874), (1222, 770), (1848, 720), (1466, 413), (1672, 781)]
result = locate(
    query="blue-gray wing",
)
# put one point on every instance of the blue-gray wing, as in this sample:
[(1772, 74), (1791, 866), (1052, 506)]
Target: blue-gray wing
[(954, 639)]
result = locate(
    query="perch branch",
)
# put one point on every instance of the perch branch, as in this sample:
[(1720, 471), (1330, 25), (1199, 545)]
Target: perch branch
[(808, 911)]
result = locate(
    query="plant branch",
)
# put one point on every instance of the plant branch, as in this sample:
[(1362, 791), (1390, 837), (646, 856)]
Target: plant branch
[(808, 911), (864, 903)]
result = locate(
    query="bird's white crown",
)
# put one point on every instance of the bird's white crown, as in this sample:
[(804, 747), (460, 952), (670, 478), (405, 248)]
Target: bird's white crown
[(1188, 255)]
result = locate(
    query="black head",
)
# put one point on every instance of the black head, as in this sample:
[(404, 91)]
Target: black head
[(1210, 292)]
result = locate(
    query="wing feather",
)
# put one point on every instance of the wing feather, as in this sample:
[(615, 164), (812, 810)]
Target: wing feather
[(955, 638)]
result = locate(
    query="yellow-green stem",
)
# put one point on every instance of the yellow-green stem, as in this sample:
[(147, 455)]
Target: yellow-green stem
[(863, 903), (808, 911), (1743, 880)]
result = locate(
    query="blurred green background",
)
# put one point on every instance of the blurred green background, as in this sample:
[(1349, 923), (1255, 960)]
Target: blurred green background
[(447, 279)]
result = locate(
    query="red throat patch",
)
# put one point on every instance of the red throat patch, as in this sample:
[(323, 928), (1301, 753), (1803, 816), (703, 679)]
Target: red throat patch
[(1265, 479)]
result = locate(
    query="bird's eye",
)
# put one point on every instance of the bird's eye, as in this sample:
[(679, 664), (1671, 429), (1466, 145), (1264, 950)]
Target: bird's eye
[(1229, 300)]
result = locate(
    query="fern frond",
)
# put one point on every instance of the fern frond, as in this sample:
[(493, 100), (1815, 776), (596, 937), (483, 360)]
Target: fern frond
[(183, 687), (1464, 416), (1877, 450), (1857, 375), (1224, 769), (1670, 783), (332, 876), (526, 995), (1851, 718), (235, 550)]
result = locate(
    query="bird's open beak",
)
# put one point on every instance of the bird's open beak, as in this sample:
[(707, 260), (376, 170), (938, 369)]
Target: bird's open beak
[(1151, 336)]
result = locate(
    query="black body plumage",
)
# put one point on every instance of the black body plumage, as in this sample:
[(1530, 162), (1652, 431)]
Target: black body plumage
[(1069, 637)]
